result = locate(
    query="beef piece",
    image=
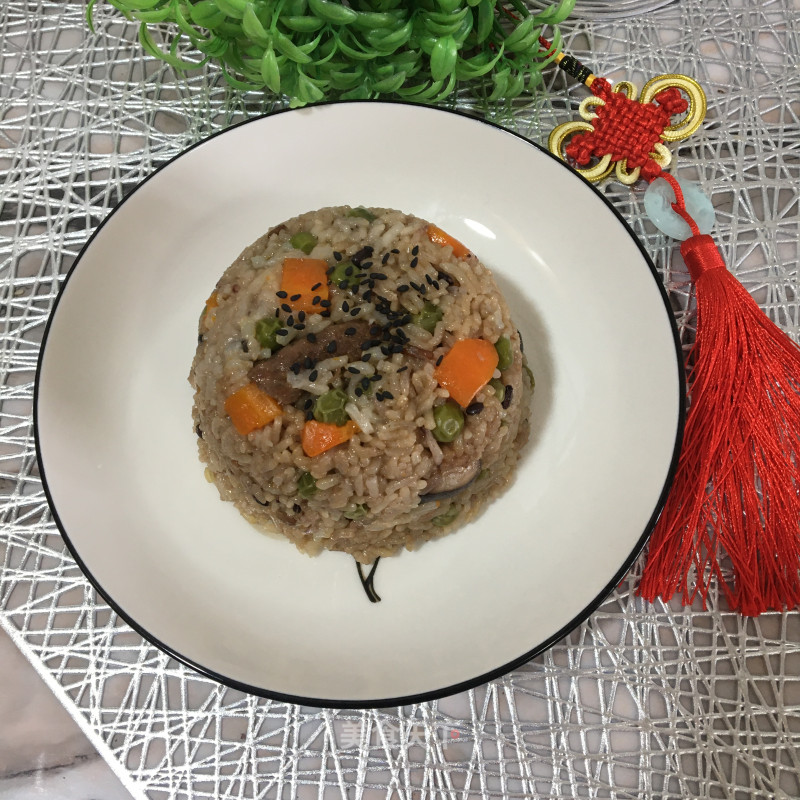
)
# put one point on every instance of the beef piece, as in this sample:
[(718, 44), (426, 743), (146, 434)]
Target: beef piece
[(451, 476), (269, 374)]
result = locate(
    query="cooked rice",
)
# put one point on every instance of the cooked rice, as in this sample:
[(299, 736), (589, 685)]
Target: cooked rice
[(380, 476)]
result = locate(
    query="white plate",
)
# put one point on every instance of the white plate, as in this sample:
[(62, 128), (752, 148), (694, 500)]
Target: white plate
[(118, 453)]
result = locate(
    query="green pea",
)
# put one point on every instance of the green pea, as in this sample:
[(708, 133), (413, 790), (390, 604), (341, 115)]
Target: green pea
[(441, 520), (498, 387), (355, 511), (363, 213), (266, 332), (345, 275), (428, 317), (505, 354), (449, 419), (329, 407), (303, 240), (306, 485)]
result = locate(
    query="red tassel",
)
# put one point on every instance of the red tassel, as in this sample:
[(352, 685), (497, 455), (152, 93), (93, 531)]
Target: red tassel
[(737, 486)]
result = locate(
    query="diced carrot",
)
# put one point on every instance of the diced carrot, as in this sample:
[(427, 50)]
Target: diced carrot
[(303, 280), (212, 301), (251, 409), (438, 236), (466, 367), (321, 436)]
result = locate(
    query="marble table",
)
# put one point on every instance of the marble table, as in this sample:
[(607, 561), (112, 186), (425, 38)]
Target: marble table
[(43, 751)]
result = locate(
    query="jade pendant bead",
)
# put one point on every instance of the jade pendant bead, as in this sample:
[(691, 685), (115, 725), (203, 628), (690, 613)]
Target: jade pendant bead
[(658, 200)]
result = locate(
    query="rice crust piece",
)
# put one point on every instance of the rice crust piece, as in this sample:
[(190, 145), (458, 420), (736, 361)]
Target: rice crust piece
[(392, 485)]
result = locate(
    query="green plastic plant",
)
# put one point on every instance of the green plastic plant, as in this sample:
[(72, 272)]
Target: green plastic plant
[(312, 50)]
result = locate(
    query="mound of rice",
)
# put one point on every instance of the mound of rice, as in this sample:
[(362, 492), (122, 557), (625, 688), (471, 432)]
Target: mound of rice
[(322, 406)]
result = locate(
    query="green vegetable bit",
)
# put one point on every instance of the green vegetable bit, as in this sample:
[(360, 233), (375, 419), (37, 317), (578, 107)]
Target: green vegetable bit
[(306, 485), (266, 332), (345, 275), (329, 407), (363, 213), (356, 511), (498, 387), (441, 520), (505, 354), (428, 317), (449, 419), (303, 240)]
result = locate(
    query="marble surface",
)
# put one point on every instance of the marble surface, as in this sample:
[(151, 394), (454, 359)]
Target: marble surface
[(43, 752)]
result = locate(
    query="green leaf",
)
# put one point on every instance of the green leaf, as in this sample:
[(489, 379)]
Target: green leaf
[(270, 71), (333, 12), (443, 58)]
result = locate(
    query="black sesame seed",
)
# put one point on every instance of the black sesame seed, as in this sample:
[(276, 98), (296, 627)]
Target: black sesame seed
[(313, 375), (435, 285), (473, 408), (354, 312), (294, 298), (428, 279), (295, 368), (199, 338), (308, 403), (368, 295), (265, 503), (290, 320), (312, 337), (199, 431), (283, 295), (414, 262), (331, 348), (301, 316), (396, 348), (386, 257), (325, 303), (379, 396), (281, 332), (348, 270), (423, 289), (349, 331), (277, 312), (377, 276), (316, 286), (307, 362), (388, 395), (366, 356), (415, 250), (354, 370), (296, 508), (365, 383), (439, 360), (403, 368), (299, 326), (345, 306), (509, 394), (309, 416), (395, 250), (337, 255), (316, 300), (358, 391), (375, 330), (403, 288), (376, 377), (286, 307), (365, 264), (443, 276)]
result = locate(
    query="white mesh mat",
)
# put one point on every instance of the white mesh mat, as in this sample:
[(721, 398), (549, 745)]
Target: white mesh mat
[(639, 702)]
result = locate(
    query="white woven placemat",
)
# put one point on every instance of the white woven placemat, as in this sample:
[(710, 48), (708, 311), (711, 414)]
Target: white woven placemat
[(639, 702)]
